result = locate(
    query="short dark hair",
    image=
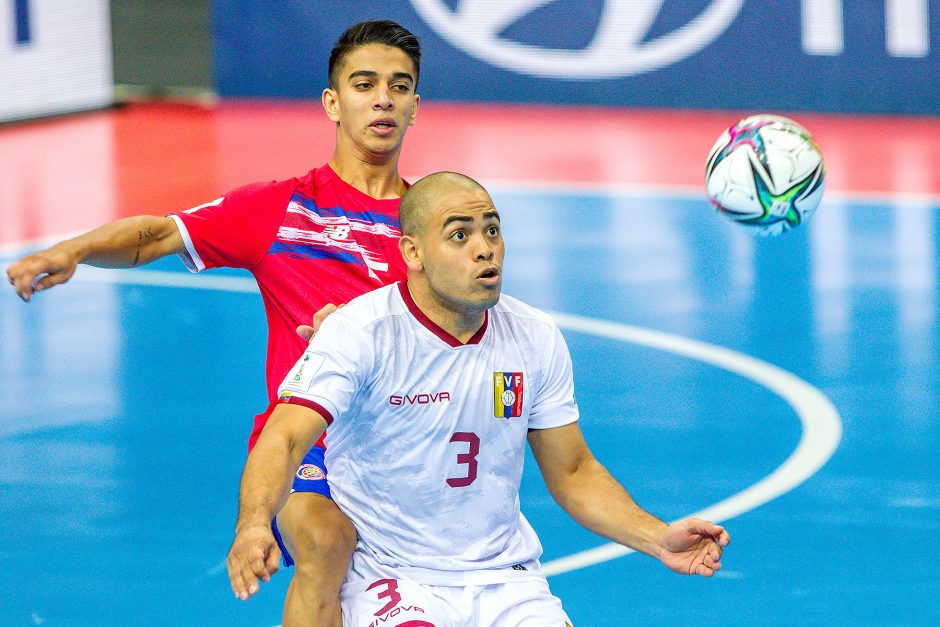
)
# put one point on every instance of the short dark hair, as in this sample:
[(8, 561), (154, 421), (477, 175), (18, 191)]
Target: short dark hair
[(384, 32)]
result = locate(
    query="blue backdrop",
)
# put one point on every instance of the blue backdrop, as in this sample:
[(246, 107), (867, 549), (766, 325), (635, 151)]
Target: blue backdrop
[(823, 55)]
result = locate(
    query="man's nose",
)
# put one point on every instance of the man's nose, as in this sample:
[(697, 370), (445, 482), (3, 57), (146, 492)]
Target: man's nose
[(484, 250), (383, 98)]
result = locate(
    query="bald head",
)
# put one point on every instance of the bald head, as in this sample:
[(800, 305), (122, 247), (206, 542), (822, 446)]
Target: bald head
[(452, 245), (417, 202)]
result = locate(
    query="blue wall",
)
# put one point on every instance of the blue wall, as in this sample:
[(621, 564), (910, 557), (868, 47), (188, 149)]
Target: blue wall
[(741, 54)]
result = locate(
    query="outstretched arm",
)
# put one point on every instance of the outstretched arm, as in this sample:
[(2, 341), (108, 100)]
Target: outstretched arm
[(590, 495), (288, 435), (123, 243)]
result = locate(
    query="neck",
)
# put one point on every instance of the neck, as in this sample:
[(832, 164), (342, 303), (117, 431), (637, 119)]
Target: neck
[(462, 324), (376, 176)]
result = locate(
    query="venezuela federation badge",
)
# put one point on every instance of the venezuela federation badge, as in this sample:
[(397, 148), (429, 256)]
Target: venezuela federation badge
[(507, 394)]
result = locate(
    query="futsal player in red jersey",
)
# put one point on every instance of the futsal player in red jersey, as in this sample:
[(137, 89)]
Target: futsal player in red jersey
[(323, 238)]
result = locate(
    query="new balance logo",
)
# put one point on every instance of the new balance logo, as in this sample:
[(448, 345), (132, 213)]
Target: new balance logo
[(336, 232)]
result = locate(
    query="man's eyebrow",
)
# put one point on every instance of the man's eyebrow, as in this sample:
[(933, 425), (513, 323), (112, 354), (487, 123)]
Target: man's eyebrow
[(456, 218), (374, 74), (363, 73), (459, 218)]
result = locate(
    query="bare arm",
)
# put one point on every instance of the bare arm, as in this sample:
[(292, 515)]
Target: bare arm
[(288, 435), (124, 243), (590, 495)]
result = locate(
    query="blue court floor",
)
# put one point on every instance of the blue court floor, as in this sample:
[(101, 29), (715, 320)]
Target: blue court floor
[(786, 386)]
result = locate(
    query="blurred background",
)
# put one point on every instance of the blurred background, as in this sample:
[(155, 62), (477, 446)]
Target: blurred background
[(806, 55)]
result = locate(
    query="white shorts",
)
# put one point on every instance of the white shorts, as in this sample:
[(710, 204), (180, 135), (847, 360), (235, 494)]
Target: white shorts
[(380, 597)]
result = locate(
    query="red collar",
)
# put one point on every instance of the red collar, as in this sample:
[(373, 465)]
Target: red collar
[(433, 327)]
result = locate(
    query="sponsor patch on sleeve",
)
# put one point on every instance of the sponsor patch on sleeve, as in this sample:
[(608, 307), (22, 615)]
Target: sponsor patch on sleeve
[(300, 377)]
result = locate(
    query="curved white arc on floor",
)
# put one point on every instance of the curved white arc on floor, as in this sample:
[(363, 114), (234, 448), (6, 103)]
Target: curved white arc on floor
[(822, 428)]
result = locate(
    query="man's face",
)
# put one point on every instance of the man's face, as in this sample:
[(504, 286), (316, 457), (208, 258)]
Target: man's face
[(374, 100), (462, 250)]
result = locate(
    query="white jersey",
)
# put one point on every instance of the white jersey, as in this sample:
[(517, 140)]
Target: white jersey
[(427, 435)]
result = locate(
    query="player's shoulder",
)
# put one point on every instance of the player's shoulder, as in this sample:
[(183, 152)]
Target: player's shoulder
[(267, 190), (326, 186), (322, 181), (519, 313), (372, 307)]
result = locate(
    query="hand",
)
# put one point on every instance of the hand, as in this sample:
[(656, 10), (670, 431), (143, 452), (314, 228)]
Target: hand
[(54, 265), (693, 547), (307, 332), (254, 554)]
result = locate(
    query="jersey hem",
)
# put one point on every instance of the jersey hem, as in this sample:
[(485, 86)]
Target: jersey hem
[(566, 419), (364, 564)]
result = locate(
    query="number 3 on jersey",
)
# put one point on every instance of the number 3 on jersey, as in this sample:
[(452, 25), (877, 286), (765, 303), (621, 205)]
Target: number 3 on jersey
[(469, 458)]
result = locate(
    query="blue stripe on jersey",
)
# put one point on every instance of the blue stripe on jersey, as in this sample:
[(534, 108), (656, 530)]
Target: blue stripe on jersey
[(339, 212), (310, 251)]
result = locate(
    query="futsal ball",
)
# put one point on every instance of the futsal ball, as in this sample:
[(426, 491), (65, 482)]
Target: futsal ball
[(765, 173)]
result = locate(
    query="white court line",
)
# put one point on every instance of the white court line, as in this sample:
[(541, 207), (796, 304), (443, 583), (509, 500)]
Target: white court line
[(685, 192), (156, 278), (10, 250), (822, 428), (821, 425)]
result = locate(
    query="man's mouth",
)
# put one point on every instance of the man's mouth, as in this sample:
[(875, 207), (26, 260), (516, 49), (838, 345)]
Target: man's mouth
[(384, 123), (489, 274)]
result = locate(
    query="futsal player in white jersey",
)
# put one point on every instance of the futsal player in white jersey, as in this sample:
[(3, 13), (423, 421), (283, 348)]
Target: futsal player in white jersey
[(431, 389)]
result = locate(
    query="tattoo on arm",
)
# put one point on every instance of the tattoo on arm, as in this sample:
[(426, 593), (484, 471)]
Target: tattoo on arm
[(140, 242), (141, 236)]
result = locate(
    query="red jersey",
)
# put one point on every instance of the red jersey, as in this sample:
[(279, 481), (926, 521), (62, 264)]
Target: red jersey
[(308, 242)]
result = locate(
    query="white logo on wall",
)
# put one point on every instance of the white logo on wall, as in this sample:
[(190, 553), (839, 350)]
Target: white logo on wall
[(619, 46)]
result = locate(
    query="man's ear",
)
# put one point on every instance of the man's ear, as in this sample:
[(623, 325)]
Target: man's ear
[(414, 110), (411, 253), (330, 100)]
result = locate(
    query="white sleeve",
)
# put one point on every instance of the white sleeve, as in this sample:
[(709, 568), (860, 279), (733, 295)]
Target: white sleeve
[(189, 256), (554, 403), (331, 371)]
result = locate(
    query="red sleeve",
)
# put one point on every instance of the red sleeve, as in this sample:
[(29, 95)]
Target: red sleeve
[(235, 230)]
